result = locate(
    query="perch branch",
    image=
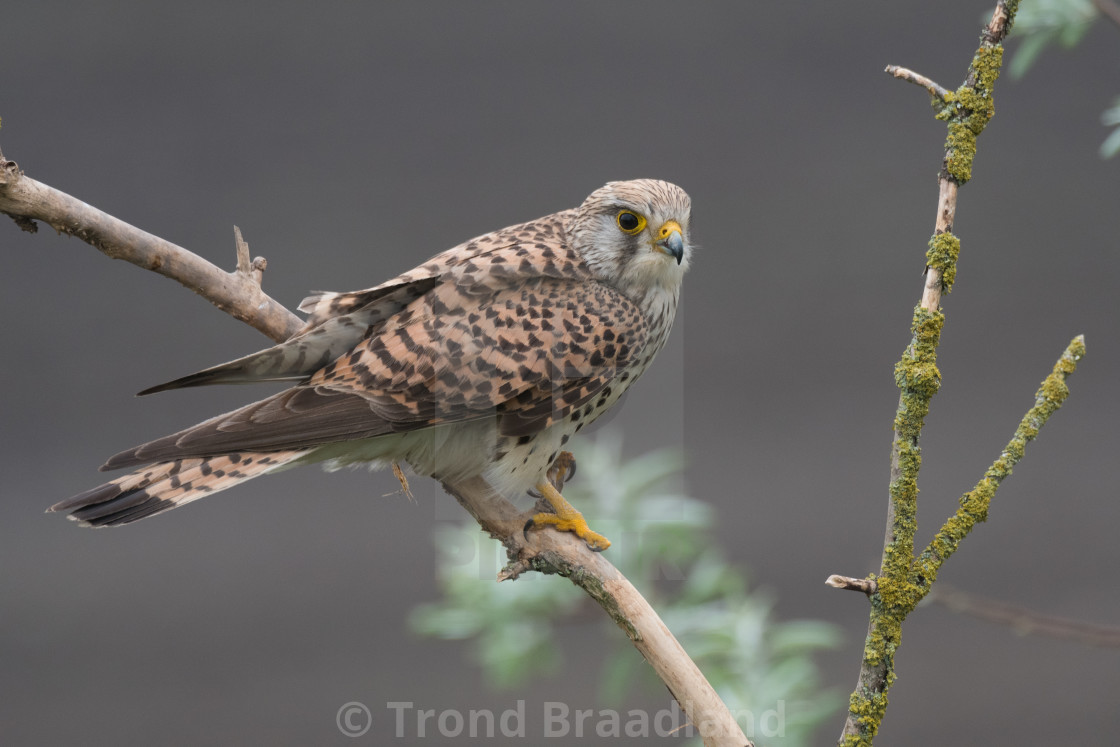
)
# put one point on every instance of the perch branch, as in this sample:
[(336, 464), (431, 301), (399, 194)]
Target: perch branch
[(239, 294), (565, 554)]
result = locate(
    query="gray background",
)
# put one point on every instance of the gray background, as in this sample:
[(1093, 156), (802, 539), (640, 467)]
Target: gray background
[(349, 142)]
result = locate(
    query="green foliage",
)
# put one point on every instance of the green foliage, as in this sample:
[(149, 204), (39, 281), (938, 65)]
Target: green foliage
[(1042, 23), (1111, 118), (663, 544)]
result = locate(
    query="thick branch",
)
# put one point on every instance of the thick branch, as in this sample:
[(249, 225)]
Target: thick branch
[(239, 294), (236, 293), (565, 554)]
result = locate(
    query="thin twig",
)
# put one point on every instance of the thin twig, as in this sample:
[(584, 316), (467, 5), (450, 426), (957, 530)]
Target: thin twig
[(239, 294), (936, 90), (244, 264), (253, 269), (1109, 10), (866, 585), (1024, 621)]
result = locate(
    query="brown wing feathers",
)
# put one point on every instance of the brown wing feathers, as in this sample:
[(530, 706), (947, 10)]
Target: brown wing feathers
[(510, 324)]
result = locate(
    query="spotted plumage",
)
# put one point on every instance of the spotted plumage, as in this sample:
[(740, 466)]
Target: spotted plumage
[(484, 360)]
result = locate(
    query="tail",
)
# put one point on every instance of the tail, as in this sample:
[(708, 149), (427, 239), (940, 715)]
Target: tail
[(163, 486)]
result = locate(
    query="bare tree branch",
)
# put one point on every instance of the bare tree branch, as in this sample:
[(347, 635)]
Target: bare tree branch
[(866, 585), (1024, 621), (935, 89), (236, 293), (1109, 10), (239, 294)]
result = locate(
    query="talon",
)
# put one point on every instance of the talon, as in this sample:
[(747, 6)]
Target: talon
[(563, 469), (571, 467), (566, 519)]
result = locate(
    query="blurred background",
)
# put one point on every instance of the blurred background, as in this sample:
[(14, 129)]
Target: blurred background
[(351, 141)]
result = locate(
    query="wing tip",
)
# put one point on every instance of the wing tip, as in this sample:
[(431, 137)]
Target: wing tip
[(155, 389), (196, 379)]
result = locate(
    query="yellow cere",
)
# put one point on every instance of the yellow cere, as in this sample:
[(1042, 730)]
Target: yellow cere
[(669, 227)]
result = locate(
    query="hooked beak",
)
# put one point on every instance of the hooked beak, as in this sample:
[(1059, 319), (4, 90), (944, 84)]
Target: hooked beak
[(670, 240)]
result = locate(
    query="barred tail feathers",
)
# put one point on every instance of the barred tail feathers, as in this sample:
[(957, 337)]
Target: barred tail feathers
[(166, 485)]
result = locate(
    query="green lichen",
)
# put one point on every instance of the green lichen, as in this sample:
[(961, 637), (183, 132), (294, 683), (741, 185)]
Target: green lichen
[(916, 374), (974, 504), (1012, 7), (905, 579), (918, 377), (942, 256), (869, 709), (973, 108), (960, 149), (868, 704)]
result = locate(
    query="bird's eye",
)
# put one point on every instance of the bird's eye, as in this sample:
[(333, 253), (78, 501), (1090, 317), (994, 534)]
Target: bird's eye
[(630, 222)]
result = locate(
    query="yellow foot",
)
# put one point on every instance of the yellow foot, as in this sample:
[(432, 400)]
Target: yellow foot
[(566, 519)]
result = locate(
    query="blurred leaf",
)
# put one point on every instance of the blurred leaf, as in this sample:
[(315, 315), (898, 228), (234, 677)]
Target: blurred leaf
[(618, 675), (439, 622), (1111, 118), (1040, 23), (804, 635), (1026, 54)]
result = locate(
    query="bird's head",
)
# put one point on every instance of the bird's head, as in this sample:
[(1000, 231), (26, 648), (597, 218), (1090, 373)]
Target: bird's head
[(635, 235)]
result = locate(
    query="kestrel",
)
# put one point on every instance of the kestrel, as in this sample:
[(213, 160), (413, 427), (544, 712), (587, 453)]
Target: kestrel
[(484, 361)]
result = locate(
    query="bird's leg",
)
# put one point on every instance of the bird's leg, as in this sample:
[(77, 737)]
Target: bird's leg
[(566, 518), (399, 474)]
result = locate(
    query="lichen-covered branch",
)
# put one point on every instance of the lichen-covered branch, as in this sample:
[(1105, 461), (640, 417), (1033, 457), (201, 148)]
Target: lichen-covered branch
[(974, 504), (239, 294), (904, 580)]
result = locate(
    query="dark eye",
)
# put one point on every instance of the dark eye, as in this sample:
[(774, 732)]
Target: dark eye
[(630, 222)]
